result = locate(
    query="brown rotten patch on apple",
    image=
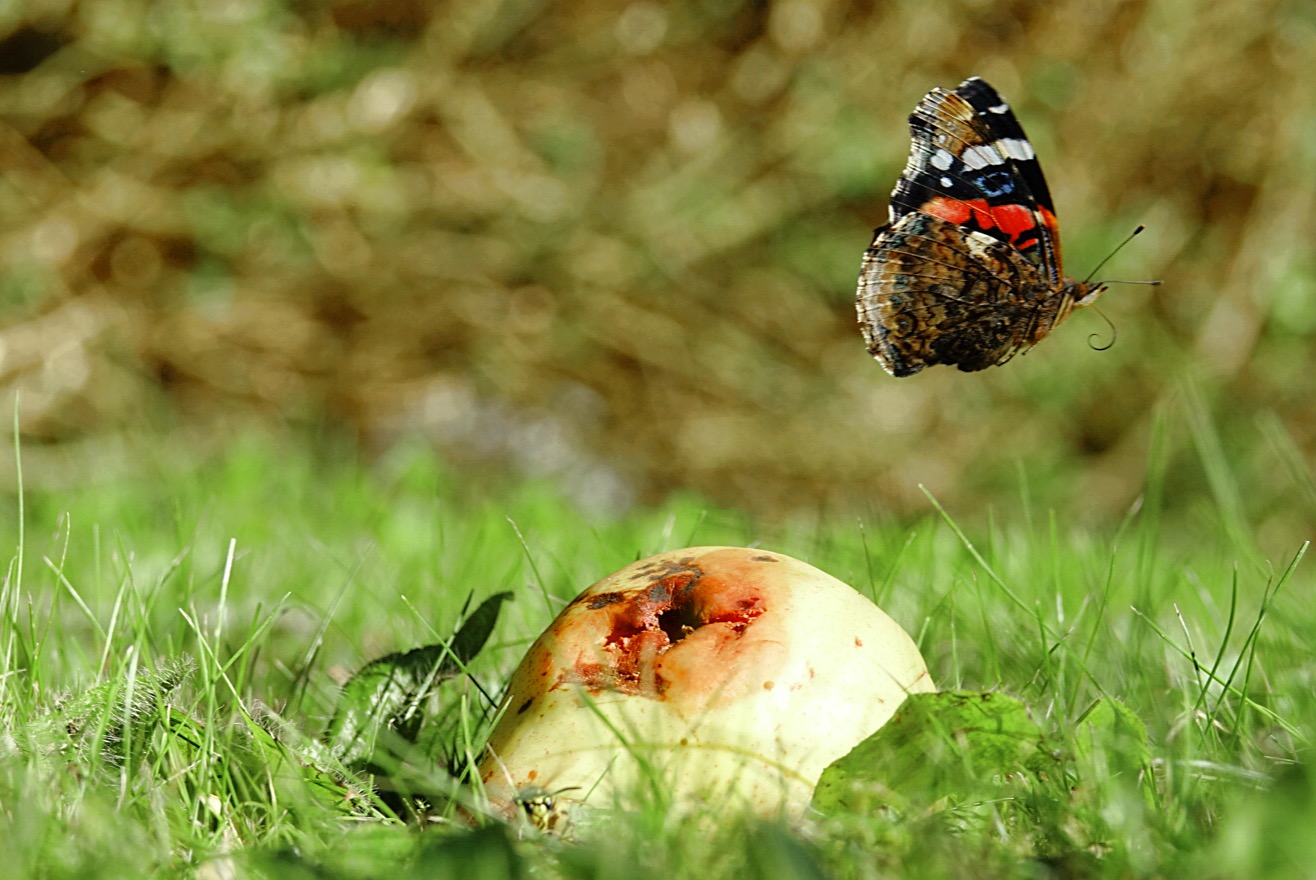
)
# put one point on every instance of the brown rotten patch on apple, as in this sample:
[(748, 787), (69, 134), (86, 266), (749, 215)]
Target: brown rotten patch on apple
[(669, 624)]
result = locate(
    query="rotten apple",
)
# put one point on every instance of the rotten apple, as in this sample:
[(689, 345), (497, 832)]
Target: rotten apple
[(712, 672)]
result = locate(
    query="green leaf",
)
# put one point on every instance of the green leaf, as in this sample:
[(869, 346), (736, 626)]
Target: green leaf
[(113, 719), (952, 743), (298, 768), (958, 746), (1110, 736), (1112, 727), (470, 639), (387, 697)]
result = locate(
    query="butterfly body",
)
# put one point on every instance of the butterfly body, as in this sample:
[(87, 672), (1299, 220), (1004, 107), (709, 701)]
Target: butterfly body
[(967, 271)]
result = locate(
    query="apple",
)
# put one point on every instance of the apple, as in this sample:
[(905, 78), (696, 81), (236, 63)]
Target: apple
[(720, 675)]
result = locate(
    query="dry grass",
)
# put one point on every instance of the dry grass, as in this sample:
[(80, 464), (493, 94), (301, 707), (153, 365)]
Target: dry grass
[(617, 243)]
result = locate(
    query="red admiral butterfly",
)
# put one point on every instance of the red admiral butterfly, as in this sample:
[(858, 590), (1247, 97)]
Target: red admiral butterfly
[(967, 270)]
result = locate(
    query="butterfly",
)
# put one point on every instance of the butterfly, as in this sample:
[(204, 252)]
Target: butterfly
[(966, 272)]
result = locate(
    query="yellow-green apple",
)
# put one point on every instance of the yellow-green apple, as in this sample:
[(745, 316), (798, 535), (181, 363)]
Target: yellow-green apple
[(719, 675)]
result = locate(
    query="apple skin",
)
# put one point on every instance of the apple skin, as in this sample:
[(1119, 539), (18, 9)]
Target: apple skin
[(722, 673)]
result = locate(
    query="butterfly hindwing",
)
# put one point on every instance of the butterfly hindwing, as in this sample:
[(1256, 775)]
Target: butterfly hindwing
[(933, 293)]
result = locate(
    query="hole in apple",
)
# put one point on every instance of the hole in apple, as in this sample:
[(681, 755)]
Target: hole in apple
[(679, 620)]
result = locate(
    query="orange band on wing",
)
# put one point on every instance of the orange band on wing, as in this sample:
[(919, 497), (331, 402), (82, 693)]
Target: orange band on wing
[(1013, 220), (958, 212)]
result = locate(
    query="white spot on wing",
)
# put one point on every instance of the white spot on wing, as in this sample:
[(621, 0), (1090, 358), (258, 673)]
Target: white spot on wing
[(1016, 148), (942, 160), (980, 157), (946, 182), (1000, 108), (980, 245)]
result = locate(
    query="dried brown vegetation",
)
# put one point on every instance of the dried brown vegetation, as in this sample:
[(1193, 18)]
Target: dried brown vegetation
[(617, 243)]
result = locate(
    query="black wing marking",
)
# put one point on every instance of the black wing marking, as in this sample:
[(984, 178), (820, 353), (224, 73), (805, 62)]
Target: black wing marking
[(998, 119)]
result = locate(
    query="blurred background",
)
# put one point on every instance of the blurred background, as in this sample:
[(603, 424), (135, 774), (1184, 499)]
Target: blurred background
[(615, 245)]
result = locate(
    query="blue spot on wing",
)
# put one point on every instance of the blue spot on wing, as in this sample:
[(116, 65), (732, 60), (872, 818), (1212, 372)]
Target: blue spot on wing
[(995, 183)]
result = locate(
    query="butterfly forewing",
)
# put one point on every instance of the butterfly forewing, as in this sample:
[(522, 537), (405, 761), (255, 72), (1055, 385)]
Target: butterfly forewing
[(971, 164)]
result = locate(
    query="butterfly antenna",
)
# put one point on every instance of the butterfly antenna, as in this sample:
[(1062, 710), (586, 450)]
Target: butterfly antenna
[(1114, 333), (1117, 249)]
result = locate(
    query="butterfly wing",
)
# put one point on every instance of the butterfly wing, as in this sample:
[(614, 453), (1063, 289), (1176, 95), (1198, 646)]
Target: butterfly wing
[(931, 292), (971, 164)]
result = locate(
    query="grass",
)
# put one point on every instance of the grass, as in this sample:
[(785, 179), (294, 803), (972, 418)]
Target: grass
[(173, 645), (562, 244)]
